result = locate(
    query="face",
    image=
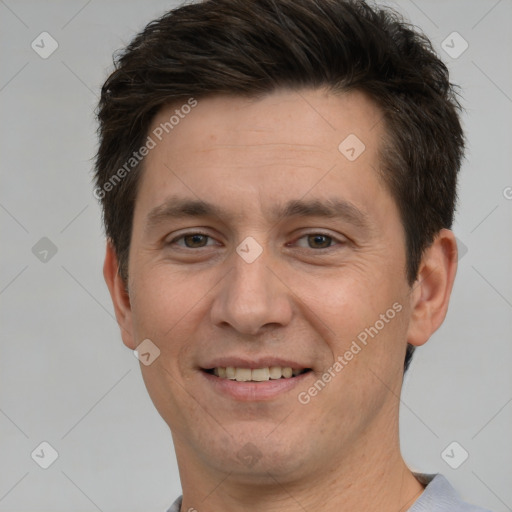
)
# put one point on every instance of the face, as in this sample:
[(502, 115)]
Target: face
[(262, 246)]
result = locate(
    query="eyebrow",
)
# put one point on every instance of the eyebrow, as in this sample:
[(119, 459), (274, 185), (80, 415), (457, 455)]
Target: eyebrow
[(333, 208)]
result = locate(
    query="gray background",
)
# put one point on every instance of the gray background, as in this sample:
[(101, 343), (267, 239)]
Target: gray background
[(65, 376)]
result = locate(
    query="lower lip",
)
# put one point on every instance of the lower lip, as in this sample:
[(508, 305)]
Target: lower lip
[(254, 391)]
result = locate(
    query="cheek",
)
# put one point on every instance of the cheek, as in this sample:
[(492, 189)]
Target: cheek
[(165, 304), (345, 300), (357, 318)]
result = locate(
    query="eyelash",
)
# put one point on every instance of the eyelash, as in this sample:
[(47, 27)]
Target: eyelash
[(191, 233), (334, 240)]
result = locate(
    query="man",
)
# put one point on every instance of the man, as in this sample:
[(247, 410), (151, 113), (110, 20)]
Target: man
[(278, 180)]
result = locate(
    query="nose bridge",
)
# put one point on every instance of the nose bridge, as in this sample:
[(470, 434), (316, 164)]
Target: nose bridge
[(251, 296)]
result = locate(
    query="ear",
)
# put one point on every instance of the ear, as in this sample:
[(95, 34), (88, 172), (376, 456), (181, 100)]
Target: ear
[(119, 294), (430, 294)]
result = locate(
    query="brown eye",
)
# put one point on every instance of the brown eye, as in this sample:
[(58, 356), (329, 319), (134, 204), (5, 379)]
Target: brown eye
[(319, 241), (195, 240)]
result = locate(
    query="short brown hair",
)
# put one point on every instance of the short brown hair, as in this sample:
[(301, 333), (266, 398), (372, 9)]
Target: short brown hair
[(252, 47)]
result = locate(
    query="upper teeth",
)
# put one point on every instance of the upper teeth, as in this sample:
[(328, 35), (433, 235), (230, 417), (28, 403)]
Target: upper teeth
[(256, 374)]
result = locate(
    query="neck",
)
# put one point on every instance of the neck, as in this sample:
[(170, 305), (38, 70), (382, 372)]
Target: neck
[(370, 476)]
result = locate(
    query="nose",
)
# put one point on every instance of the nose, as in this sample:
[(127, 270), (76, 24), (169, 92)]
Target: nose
[(252, 298)]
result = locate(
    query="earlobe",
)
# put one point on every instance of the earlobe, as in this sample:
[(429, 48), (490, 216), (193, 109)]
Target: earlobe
[(119, 294), (430, 294)]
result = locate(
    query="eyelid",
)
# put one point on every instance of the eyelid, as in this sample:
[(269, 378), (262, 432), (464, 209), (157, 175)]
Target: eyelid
[(337, 240), (184, 234)]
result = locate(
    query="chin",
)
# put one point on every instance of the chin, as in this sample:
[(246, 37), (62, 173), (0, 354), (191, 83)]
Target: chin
[(263, 458)]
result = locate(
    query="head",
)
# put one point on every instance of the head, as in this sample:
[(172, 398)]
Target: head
[(247, 106)]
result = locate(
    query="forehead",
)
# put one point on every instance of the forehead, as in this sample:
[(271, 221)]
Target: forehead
[(283, 145), (305, 121)]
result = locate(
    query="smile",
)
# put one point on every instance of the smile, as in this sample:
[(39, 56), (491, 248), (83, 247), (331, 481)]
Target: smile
[(256, 374)]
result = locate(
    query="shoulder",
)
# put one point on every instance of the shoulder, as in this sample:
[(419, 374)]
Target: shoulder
[(440, 496), (175, 507)]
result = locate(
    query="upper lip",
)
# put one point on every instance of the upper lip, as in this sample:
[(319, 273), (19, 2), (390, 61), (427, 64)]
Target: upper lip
[(260, 362)]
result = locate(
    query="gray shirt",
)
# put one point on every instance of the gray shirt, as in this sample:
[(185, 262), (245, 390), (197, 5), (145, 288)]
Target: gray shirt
[(438, 496)]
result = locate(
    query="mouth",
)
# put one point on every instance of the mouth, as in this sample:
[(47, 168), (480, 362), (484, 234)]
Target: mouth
[(262, 378), (241, 374)]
